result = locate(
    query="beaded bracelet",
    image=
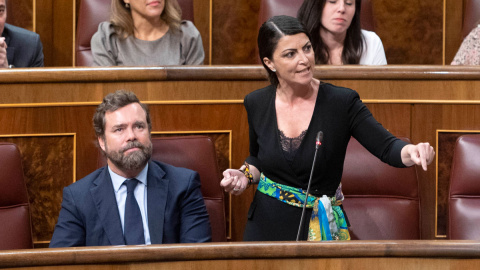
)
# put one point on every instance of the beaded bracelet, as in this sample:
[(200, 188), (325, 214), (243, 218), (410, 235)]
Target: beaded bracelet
[(248, 174)]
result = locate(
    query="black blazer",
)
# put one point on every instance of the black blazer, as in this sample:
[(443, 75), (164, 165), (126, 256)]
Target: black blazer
[(340, 114), (175, 206), (24, 47)]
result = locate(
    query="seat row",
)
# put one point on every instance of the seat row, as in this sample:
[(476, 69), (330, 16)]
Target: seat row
[(93, 12), (381, 202)]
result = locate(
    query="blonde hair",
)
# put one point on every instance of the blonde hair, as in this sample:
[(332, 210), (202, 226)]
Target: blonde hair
[(121, 17)]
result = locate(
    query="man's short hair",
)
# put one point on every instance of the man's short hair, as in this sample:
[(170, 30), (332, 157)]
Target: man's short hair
[(113, 102)]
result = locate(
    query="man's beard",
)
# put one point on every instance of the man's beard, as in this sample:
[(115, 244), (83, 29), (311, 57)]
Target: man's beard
[(132, 161)]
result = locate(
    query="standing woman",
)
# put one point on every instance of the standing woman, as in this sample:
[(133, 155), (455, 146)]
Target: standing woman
[(336, 34), (284, 119), (146, 33)]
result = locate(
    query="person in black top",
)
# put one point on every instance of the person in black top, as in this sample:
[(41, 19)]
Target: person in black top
[(284, 119)]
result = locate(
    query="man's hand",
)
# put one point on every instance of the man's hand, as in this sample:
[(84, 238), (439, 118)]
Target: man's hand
[(3, 53)]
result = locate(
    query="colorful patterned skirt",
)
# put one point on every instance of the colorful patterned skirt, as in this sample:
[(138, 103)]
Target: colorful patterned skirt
[(327, 221)]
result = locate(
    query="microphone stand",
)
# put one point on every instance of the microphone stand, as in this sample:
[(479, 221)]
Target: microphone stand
[(318, 143)]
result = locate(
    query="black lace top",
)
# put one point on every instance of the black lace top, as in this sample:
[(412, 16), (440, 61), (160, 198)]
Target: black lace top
[(290, 145)]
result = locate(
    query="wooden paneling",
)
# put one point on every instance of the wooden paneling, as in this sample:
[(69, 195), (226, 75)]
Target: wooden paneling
[(20, 13), (44, 27), (394, 117), (428, 255), (287, 262), (63, 32), (453, 21), (55, 25), (234, 33), (203, 15), (411, 30)]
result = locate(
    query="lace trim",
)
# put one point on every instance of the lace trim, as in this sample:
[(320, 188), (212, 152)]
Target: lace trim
[(291, 145)]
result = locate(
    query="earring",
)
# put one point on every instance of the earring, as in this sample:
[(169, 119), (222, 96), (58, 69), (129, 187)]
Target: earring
[(274, 70), (127, 5)]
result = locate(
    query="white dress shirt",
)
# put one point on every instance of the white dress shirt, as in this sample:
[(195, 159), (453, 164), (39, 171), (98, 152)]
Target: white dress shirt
[(373, 52), (140, 195)]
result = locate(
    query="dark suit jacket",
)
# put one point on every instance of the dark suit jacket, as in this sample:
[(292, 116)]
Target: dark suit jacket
[(175, 206), (24, 47)]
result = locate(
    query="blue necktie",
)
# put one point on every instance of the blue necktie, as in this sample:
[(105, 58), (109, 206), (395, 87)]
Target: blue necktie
[(133, 229)]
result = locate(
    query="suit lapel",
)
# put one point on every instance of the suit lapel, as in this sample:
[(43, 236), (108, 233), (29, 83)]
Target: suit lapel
[(10, 55), (157, 187), (104, 198)]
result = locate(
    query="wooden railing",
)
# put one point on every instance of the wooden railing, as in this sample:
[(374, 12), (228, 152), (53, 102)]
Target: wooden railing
[(419, 254)]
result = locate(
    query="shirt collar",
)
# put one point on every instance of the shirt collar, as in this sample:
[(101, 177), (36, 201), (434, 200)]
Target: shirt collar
[(118, 180)]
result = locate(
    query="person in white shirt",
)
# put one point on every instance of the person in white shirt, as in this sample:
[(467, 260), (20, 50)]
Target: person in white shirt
[(337, 37)]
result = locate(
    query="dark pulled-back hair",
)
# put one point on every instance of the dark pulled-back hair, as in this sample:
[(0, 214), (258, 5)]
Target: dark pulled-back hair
[(113, 102), (310, 14), (270, 33)]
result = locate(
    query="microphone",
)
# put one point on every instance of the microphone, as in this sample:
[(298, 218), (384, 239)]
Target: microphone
[(318, 143)]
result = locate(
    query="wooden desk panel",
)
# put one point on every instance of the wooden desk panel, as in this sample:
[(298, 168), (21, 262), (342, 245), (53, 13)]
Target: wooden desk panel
[(420, 254), (412, 101)]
